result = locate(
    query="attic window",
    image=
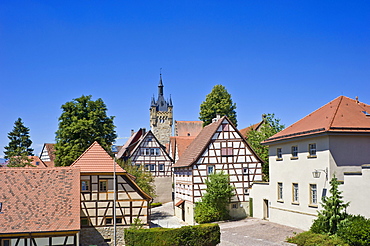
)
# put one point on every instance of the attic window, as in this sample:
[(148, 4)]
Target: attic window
[(366, 113)]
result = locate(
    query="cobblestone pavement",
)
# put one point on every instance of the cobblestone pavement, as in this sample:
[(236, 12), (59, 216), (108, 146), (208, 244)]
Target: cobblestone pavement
[(254, 232), (249, 231)]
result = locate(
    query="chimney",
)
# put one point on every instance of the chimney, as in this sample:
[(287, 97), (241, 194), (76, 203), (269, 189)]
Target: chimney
[(144, 130), (132, 132), (357, 99), (216, 119)]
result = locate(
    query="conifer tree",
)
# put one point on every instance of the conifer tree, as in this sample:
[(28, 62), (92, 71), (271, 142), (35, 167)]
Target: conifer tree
[(333, 213), (82, 122), (218, 102), (19, 147)]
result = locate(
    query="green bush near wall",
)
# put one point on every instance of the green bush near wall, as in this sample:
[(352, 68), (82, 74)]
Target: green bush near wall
[(199, 235)]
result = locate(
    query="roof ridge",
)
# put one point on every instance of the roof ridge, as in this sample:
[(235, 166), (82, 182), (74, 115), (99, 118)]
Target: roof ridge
[(335, 112), (85, 152)]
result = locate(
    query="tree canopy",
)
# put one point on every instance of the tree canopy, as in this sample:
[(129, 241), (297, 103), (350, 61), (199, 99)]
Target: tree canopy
[(82, 122), (214, 203), (144, 179), (270, 127), (218, 102), (19, 145)]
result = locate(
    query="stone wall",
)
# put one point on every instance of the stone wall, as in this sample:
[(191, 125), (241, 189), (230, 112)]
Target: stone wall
[(101, 236)]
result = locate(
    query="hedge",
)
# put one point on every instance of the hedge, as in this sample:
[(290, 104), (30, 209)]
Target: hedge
[(199, 235), (309, 238)]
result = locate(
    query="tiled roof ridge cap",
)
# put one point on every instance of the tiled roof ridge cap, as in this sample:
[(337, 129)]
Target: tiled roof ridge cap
[(93, 144), (336, 111)]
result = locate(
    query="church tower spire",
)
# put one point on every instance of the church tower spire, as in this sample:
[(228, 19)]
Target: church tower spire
[(161, 116)]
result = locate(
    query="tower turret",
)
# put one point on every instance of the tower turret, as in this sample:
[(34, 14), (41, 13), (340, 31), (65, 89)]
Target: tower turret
[(161, 116)]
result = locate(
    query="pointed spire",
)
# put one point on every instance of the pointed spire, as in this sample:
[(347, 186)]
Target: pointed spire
[(160, 86), (153, 101), (170, 102)]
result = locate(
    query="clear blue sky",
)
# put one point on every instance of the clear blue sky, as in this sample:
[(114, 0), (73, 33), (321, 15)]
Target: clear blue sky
[(282, 57)]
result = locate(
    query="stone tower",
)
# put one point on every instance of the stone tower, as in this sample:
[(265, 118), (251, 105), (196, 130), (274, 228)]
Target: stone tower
[(161, 116)]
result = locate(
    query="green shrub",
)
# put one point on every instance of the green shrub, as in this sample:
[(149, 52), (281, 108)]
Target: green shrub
[(355, 231), (202, 235), (203, 213), (309, 238), (155, 204)]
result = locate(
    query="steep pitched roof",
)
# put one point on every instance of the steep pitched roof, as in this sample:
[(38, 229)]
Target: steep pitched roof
[(37, 162), (343, 114), (179, 144), (134, 138), (96, 160), (197, 146), (256, 126), (39, 199)]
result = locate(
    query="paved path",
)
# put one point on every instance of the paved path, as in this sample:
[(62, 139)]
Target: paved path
[(250, 231)]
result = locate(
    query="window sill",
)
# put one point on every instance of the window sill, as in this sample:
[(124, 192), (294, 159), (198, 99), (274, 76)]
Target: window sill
[(313, 205), (279, 159), (311, 156), (295, 203), (294, 158), (281, 201)]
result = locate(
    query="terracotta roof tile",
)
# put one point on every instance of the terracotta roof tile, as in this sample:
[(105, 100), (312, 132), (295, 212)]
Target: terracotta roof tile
[(134, 138), (178, 145), (96, 160), (245, 131), (39, 199), (188, 128), (340, 115), (197, 146)]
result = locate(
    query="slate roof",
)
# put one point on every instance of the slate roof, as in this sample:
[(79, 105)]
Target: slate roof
[(96, 160), (198, 145), (343, 114), (39, 199)]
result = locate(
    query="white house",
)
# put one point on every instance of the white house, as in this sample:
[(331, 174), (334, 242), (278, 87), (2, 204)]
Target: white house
[(333, 139)]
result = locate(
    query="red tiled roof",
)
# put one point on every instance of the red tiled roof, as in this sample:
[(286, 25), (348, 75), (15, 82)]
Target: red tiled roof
[(51, 151), (39, 199), (245, 131), (188, 128), (180, 144), (197, 146), (96, 160), (36, 162), (340, 115), (134, 138)]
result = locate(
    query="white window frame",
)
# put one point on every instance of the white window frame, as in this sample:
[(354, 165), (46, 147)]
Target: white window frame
[(279, 154), (295, 193), (210, 169), (312, 150), (313, 194), (280, 191)]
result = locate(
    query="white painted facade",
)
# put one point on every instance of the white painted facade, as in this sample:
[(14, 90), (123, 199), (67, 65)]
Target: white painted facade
[(334, 152)]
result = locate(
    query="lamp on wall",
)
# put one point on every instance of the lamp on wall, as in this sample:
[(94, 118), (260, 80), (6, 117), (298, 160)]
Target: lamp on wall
[(316, 173)]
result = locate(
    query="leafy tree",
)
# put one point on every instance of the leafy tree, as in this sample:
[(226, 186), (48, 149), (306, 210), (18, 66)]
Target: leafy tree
[(19, 149), (144, 179), (82, 122), (213, 206), (269, 127), (333, 213), (218, 102)]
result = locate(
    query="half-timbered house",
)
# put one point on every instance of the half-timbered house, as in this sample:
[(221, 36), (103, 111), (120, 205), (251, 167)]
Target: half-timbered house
[(218, 147), (101, 192), (39, 206), (145, 151)]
